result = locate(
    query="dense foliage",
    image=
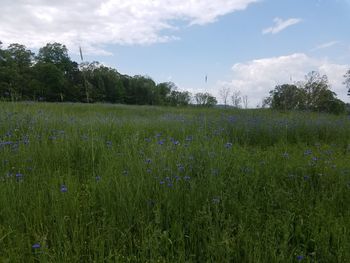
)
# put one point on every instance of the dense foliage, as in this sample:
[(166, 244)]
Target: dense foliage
[(313, 94), (116, 183), (52, 76)]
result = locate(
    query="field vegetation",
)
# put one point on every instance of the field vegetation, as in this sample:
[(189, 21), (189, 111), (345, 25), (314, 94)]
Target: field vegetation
[(113, 183)]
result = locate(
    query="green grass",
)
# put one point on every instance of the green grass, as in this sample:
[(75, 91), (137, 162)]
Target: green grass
[(153, 184)]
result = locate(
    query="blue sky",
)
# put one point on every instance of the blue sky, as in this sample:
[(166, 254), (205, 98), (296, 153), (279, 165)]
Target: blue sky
[(245, 45)]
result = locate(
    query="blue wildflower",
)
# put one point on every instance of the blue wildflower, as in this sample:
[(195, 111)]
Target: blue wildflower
[(216, 200), (64, 188), (285, 155), (19, 176), (162, 182), (187, 178), (189, 138), (300, 257), (36, 246), (228, 145), (214, 172), (148, 161), (98, 178), (180, 167), (308, 152)]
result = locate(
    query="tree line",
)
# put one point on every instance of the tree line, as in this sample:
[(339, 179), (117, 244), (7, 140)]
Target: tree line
[(52, 76), (312, 94)]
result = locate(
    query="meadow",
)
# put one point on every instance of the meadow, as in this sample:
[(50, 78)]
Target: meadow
[(115, 183)]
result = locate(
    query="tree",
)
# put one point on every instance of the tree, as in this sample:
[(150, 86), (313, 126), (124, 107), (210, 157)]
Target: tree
[(313, 94), (236, 99), (49, 83), (54, 53), (285, 97), (347, 81), (224, 94), (245, 101), (205, 99)]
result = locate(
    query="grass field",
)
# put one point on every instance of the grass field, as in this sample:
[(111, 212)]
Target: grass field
[(111, 183)]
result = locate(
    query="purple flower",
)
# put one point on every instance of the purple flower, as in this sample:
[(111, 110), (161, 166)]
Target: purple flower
[(308, 152), (285, 155), (228, 145), (64, 188), (19, 175), (300, 258), (36, 246), (216, 200)]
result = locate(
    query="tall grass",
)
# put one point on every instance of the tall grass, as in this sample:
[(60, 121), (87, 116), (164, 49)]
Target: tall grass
[(106, 183)]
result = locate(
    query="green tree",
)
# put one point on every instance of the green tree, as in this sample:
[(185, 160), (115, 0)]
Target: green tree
[(49, 82), (285, 97), (313, 94), (205, 99), (347, 81)]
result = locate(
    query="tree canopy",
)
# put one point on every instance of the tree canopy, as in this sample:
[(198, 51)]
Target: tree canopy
[(52, 76), (313, 94)]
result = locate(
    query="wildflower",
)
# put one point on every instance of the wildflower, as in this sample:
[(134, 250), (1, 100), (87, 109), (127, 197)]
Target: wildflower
[(187, 178), (189, 138), (64, 188), (176, 142), (98, 178), (214, 172), (300, 257), (162, 182), (149, 170), (228, 145), (180, 167), (170, 184), (161, 142), (125, 172), (285, 155), (109, 144), (19, 176), (308, 152), (216, 200), (148, 161), (36, 246)]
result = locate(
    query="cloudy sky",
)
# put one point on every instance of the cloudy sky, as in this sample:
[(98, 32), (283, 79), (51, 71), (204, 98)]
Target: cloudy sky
[(247, 45)]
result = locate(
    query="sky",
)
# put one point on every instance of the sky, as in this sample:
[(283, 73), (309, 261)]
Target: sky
[(248, 46)]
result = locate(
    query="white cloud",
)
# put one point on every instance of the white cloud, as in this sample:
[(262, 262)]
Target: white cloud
[(94, 23), (326, 45), (280, 25), (257, 77)]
